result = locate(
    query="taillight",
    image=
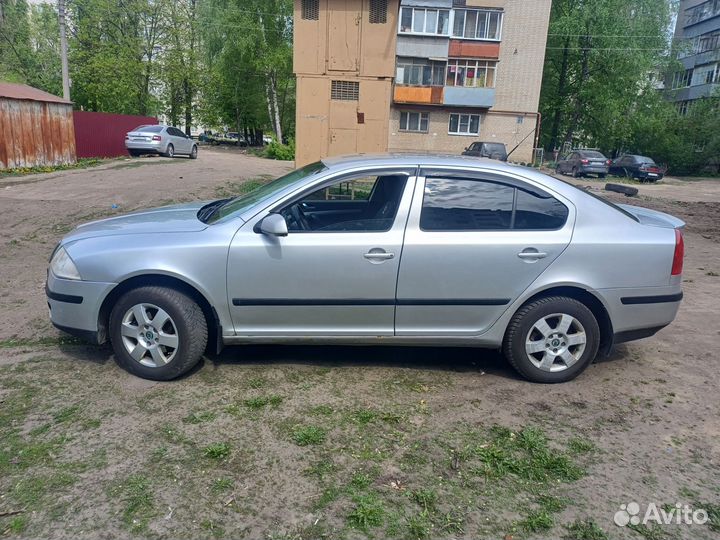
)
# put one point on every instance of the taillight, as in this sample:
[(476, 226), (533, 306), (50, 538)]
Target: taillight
[(157, 138), (677, 266), (584, 161), (608, 162), (127, 137)]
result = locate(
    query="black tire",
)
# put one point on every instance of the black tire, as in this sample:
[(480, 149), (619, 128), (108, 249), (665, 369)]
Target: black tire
[(575, 173), (134, 153), (194, 152), (628, 191), (189, 322), (169, 151), (602, 176), (524, 320)]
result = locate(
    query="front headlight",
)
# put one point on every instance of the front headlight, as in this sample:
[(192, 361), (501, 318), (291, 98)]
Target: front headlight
[(63, 266)]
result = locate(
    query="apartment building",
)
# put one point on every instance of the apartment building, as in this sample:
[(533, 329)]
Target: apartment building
[(417, 75), (697, 38)]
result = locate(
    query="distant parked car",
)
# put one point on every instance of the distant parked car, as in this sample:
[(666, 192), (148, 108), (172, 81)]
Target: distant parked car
[(158, 139), (490, 150), (639, 167), (583, 162)]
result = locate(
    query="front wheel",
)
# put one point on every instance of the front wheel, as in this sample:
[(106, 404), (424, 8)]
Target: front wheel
[(552, 340), (157, 333)]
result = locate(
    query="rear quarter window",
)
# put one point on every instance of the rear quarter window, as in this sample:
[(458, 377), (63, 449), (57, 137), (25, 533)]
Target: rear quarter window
[(533, 212)]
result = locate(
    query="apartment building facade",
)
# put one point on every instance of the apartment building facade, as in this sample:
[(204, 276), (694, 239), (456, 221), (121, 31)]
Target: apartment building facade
[(417, 75), (697, 37)]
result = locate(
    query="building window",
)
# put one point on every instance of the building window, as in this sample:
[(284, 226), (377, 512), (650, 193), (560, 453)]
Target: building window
[(434, 22), (708, 74), (708, 42), (378, 11), (464, 124), (708, 9), (414, 121), (682, 79), (471, 73), (345, 91), (310, 10), (683, 107), (477, 24), (420, 72)]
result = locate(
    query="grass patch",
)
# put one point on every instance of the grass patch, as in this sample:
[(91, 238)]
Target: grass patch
[(368, 512), (308, 435), (200, 417), (13, 343), (138, 502), (83, 163), (222, 484), (537, 521), (580, 445), (219, 450), (322, 410), (262, 402), (585, 530)]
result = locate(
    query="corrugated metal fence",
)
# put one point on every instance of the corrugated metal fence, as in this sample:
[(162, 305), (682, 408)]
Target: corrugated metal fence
[(103, 134), (35, 133)]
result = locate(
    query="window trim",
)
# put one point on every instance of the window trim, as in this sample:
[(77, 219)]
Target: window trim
[(412, 32), (468, 133), (515, 185), (420, 115), (409, 172), (454, 62), (401, 61), (488, 12)]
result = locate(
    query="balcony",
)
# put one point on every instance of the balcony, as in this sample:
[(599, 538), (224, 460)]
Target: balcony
[(473, 49), (459, 96), (418, 95)]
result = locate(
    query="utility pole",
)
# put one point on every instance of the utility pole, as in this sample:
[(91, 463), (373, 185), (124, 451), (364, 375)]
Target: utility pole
[(63, 50)]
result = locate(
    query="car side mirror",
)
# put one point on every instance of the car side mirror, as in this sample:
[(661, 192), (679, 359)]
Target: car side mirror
[(274, 225)]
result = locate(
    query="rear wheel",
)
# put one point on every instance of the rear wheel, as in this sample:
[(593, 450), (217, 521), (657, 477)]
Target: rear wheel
[(193, 152), (602, 175), (575, 173), (170, 151), (552, 340), (134, 153), (157, 333)]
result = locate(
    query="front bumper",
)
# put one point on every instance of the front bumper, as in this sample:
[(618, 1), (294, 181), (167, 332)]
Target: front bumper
[(75, 305)]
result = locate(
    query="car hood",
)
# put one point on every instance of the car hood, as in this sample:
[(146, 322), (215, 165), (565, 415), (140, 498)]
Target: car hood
[(177, 218)]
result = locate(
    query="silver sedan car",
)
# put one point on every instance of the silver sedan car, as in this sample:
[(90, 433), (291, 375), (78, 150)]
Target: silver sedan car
[(167, 141), (402, 250)]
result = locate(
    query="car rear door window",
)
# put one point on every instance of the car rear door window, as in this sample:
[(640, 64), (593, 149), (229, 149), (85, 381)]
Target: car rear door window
[(466, 205), (451, 204), (536, 212)]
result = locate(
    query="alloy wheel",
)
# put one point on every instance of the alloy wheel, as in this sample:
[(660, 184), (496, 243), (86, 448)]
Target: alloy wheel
[(555, 342), (149, 335)]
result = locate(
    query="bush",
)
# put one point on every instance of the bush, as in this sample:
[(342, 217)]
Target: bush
[(284, 152)]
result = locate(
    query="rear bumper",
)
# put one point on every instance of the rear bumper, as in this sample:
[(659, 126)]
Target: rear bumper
[(75, 305), (157, 147), (593, 169), (641, 312)]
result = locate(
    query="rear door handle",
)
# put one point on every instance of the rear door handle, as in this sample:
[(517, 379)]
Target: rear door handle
[(532, 255), (378, 255)]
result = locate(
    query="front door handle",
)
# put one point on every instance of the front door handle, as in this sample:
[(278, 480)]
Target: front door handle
[(531, 254), (378, 255)]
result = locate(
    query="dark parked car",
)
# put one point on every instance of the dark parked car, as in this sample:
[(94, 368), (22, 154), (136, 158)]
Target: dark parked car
[(490, 150), (583, 162), (640, 167)]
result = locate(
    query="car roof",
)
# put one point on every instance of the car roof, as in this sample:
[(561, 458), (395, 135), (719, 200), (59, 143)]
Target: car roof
[(439, 160)]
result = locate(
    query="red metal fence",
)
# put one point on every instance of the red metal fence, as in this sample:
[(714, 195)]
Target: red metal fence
[(103, 134)]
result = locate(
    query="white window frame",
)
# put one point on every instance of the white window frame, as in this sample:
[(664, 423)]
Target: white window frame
[(424, 32), (487, 13), (421, 115), (435, 67), (469, 123), (486, 65)]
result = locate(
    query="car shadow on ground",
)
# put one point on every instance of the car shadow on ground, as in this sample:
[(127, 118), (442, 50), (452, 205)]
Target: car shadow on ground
[(458, 359)]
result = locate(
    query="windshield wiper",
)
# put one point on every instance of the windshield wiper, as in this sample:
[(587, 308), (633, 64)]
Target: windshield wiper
[(207, 211)]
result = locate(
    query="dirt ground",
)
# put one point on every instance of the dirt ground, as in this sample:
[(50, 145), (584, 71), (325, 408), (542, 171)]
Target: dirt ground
[(308, 442)]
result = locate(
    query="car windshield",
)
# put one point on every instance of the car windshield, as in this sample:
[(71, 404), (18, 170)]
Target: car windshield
[(245, 201), (149, 129)]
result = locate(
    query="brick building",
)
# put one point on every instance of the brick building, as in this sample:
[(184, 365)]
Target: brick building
[(417, 75)]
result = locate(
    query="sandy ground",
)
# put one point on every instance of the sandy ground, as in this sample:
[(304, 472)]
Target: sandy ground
[(88, 450)]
